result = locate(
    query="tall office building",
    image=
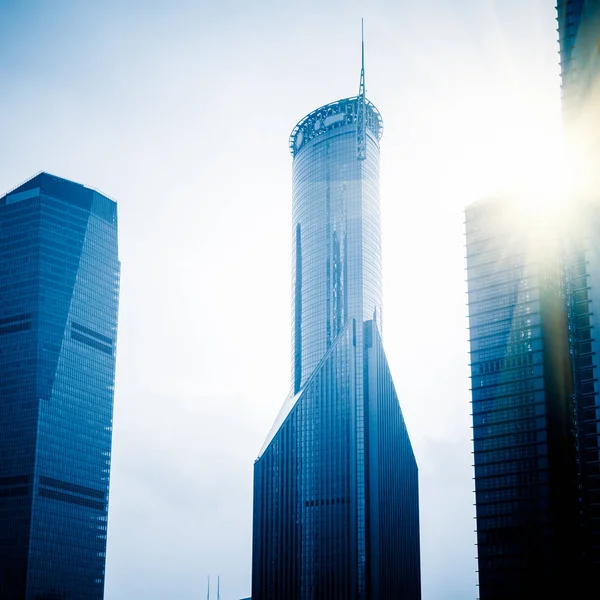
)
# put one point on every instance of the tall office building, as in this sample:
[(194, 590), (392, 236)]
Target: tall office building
[(534, 291), (59, 285), (579, 40), (524, 445), (336, 482)]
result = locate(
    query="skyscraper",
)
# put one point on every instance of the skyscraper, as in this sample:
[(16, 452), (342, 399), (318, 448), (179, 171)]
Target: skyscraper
[(534, 289), (524, 446), (336, 482), (59, 285)]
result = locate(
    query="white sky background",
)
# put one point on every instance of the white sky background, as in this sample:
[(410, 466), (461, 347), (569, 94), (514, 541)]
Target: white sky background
[(181, 111)]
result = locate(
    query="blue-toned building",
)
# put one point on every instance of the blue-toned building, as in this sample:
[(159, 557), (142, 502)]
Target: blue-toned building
[(579, 39), (523, 428), (534, 301), (582, 283), (59, 286), (336, 510)]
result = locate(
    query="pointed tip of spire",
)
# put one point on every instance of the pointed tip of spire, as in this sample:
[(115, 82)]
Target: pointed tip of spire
[(362, 39), (361, 89)]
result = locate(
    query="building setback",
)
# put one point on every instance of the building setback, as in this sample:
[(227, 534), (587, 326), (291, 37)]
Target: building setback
[(336, 482), (59, 285)]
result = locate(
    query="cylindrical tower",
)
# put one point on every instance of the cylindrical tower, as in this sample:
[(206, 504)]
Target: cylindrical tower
[(336, 481), (336, 255)]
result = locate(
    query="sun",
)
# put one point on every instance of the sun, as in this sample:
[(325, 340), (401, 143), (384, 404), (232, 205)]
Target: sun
[(520, 156)]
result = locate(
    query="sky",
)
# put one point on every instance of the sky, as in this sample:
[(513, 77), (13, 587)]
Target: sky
[(181, 112)]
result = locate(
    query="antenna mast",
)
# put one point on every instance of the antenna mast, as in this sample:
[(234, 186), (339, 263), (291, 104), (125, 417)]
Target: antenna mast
[(218, 587), (361, 118), (208, 589)]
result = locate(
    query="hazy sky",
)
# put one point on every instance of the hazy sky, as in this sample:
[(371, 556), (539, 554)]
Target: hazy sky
[(181, 111)]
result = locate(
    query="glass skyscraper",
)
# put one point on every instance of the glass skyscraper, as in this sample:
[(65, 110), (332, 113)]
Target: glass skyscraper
[(59, 286), (533, 303), (579, 39), (534, 296), (521, 376), (336, 482)]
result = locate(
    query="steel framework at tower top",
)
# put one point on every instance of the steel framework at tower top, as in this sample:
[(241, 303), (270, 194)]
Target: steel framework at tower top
[(361, 120)]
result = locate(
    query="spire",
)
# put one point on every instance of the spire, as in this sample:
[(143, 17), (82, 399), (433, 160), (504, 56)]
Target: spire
[(362, 64), (361, 120)]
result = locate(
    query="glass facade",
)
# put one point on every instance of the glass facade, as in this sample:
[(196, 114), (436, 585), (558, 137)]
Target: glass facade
[(535, 403), (579, 39), (336, 251), (393, 547), (303, 548), (59, 285), (582, 275), (336, 482)]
